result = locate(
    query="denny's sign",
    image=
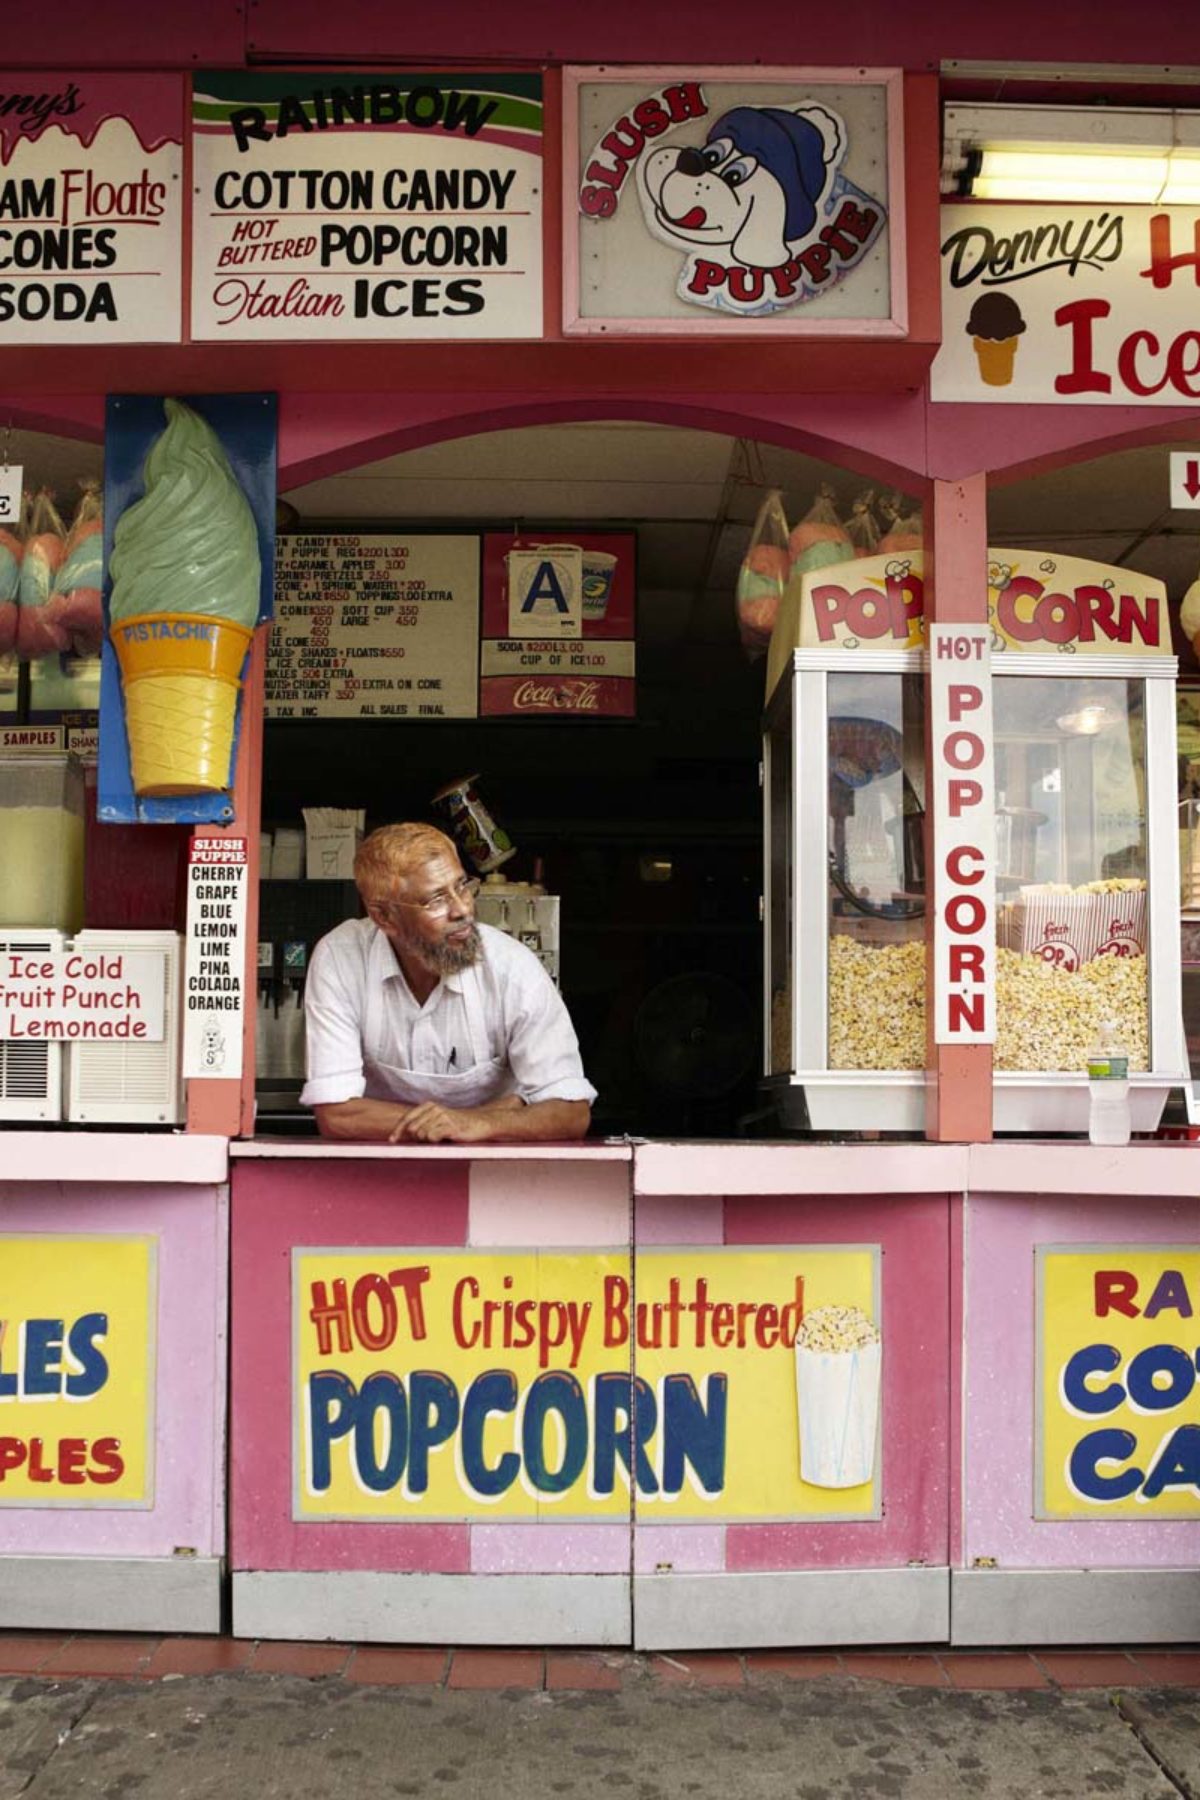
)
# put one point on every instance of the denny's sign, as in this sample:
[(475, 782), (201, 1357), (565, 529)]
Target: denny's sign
[(1038, 604), (1069, 305)]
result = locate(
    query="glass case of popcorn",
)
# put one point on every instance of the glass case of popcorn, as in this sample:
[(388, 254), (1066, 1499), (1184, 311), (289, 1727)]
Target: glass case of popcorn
[(844, 785), (1087, 910), (1083, 794)]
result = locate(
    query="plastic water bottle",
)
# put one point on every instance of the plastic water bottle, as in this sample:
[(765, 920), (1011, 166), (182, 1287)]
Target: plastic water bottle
[(1108, 1088)]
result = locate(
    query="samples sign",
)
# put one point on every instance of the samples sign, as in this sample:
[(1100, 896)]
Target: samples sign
[(90, 208), (336, 205), (1069, 305), (214, 986), (375, 628), (77, 1371), (753, 195), (559, 633), (1118, 1431), (499, 1386)]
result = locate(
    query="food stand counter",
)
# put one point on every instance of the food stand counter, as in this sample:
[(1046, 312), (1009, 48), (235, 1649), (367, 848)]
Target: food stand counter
[(437, 1353), (113, 1306)]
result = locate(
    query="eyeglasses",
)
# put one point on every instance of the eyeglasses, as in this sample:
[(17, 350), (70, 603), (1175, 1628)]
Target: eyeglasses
[(438, 905)]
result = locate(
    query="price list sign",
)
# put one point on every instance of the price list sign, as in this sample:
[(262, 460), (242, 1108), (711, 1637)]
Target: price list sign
[(375, 628)]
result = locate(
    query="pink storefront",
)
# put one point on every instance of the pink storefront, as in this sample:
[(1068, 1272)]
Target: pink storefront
[(792, 547)]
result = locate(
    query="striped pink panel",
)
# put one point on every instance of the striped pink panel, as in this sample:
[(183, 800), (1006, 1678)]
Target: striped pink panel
[(915, 1234), (276, 1206)]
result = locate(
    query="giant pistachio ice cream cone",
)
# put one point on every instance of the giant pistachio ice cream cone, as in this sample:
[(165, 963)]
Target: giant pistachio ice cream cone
[(185, 583)]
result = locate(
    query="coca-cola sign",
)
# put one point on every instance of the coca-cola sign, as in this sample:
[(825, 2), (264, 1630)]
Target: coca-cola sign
[(590, 675), (583, 697), (562, 696)]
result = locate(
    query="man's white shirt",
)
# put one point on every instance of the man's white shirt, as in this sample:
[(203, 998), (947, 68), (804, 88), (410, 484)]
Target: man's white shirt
[(365, 1030)]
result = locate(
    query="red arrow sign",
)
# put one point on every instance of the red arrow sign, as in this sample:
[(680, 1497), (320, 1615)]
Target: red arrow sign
[(1191, 480)]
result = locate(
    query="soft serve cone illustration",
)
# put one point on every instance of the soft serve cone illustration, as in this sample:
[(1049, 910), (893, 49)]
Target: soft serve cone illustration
[(185, 585)]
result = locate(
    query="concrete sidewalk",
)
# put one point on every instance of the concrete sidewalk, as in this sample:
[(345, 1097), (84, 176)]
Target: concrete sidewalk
[(382, 1723)]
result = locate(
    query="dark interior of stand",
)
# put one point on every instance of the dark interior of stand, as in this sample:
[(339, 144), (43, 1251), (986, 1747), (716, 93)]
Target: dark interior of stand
[(650, 830)]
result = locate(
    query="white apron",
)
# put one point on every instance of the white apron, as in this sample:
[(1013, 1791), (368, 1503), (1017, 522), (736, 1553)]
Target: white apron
[(487, 1077)]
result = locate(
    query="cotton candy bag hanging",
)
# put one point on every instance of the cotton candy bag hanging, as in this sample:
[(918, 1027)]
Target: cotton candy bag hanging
[(45, 548), (819, 540), (12, 552), (861, 528), (763, 575), (75, 605), (906, 530)]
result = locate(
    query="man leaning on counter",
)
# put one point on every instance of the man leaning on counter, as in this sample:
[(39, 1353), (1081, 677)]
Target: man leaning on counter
[(424, 1027)]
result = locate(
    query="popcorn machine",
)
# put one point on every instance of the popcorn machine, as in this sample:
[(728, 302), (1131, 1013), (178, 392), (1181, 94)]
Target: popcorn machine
[(1086, 846)]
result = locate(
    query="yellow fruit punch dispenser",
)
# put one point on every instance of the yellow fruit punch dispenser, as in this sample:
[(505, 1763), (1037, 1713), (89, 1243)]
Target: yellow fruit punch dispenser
[(185, 586)]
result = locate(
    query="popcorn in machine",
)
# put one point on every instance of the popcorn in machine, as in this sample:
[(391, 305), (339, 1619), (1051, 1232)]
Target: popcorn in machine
[(1086, 843)]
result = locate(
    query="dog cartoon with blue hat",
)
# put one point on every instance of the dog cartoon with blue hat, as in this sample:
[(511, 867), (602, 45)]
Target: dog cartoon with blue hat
[(754, 190)]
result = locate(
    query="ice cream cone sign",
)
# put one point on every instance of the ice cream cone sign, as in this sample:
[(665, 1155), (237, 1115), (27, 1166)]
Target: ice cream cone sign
[(185, 587), (994, 326)]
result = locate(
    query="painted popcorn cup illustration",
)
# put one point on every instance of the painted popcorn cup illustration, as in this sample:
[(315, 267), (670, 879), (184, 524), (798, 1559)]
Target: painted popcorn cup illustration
[(838, 1369)]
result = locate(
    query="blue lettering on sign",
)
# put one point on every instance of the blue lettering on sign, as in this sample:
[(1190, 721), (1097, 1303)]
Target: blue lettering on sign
[(694, 1434), (1093, 1359), (1145, 1395), (557, 1391), (545, 586), (392, 1425), (40, 1372), (1177, 1464), (147, 630), (495, 1392), (1157, 1380), (1103, 1446)]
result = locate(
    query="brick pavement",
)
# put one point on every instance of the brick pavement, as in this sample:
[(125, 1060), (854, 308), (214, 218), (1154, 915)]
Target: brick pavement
[(148, 1658)]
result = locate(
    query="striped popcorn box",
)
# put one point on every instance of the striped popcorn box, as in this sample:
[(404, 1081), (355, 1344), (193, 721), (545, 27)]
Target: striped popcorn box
[(1068, 928)]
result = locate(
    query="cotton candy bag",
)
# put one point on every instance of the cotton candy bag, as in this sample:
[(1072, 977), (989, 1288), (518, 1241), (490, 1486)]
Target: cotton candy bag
[(905, 526), (74, 605), (45, 548), (820, 539), (763, 575), (12, 552)]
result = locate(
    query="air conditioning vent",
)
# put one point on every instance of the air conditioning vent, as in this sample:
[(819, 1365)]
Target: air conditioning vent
[(30, 1073), (131, 1083)]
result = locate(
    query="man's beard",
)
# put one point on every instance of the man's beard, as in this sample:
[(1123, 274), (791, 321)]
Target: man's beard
[(443, 958)]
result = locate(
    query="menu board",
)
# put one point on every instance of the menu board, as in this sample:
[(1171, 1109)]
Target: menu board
[(584, 661), (375, 628), (335, 205), (90, 180)]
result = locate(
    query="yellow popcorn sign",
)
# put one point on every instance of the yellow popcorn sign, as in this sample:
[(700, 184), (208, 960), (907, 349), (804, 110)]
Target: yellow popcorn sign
[(77, 1371), (1118, 1428), (521, 1385)]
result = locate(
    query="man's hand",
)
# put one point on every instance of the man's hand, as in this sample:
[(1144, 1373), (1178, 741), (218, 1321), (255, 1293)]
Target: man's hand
[(502, 1121), (431, 1123)]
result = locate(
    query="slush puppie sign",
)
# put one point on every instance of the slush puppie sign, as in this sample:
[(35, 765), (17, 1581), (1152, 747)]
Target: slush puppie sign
[(754, 195)]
